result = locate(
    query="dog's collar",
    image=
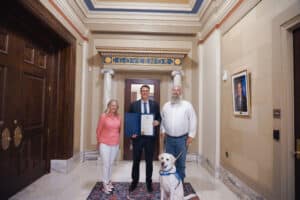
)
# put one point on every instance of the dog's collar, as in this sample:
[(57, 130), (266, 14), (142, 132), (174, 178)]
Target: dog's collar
[(167, 173)]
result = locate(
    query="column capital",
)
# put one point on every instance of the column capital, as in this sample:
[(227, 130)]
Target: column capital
[(109, 71), (177, 72)]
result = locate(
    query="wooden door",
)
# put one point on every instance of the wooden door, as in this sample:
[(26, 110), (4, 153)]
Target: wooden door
[(9, 81), (33, 109), (132, 93), (23, 91), (296, 39), (37, 76)]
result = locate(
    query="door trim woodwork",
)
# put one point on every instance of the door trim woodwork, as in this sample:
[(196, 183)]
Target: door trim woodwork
[(283, 98)]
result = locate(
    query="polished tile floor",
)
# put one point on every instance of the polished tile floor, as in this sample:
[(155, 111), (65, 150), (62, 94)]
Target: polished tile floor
[(77, 184)]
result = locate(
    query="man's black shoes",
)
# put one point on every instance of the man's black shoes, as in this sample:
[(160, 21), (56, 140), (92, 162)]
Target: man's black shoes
[(132, 186), (149, 187)]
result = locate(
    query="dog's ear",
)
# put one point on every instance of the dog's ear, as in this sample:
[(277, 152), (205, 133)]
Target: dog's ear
[(160, 156)]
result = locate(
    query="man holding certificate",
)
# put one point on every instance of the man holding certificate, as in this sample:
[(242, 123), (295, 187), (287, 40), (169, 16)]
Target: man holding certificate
[(145, 139)]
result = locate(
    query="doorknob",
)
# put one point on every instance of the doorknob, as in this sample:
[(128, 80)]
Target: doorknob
[(5, 137), (17, 136)]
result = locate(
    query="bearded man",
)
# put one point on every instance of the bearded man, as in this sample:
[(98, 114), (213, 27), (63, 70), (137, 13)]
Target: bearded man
[(178, 128)]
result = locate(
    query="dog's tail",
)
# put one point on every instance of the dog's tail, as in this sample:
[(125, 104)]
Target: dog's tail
[(189, 196)]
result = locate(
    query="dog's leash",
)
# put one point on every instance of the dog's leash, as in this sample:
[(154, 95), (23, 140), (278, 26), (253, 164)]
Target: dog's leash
[(187, 148)]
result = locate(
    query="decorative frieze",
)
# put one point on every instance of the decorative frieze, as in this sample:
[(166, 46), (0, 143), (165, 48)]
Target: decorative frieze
[(137, 60)]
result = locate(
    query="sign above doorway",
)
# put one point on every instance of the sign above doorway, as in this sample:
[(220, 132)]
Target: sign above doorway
[(142, 58)]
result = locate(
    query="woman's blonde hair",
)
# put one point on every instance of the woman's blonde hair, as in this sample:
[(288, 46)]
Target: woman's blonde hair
[(108, 105)]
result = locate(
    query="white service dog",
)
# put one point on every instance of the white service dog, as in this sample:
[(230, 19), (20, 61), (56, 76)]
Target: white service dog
[(171, 187)]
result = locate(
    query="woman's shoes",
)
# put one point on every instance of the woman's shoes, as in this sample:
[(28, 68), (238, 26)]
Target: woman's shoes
[(111, 186), (106, 188)]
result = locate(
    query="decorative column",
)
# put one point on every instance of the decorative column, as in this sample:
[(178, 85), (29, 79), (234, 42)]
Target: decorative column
[(108, 73), (177, 77)]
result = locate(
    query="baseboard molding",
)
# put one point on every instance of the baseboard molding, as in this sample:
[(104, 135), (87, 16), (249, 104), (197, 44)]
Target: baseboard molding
[(237, 186), (205, 163), (65, 166), (193, 157), (89, 155)]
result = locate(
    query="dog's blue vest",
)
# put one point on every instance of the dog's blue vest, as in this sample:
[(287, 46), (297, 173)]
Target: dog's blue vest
[(167, 173)]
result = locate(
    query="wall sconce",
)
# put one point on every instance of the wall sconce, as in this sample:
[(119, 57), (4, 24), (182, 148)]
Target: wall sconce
[(225, 75)]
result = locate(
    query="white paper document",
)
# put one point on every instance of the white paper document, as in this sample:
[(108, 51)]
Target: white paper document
[(147, 124)]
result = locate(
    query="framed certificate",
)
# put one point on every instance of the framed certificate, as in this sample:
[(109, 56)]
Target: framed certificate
[(147, 124)]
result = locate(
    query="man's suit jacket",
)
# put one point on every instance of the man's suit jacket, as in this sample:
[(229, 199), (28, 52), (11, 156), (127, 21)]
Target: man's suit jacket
[(241, 107), (135, 107)]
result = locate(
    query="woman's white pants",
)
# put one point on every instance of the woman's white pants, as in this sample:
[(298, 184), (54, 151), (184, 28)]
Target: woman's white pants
[(108, 154)]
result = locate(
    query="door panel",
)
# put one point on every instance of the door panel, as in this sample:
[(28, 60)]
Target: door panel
[(35, 102), (3, 77), (296, 39), (22, 117), (9, 81)]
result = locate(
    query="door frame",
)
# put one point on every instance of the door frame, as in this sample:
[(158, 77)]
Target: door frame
[(127, 99), (283, 98)]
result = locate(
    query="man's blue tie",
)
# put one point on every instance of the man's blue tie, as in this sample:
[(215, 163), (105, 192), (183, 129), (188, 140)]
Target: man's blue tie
[(145, 107)]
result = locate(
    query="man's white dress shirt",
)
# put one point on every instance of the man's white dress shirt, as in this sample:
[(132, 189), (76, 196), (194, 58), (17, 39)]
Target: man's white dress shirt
[(178, 119)]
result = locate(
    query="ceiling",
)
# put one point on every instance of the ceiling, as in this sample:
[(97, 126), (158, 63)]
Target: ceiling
[(148, 1), (145, 6), (144, 16)]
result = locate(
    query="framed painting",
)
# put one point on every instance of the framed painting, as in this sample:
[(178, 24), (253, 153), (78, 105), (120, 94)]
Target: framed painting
[(241, 93)]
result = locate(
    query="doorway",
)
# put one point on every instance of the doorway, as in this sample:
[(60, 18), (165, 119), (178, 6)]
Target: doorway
[(296, 45), (132, 93)]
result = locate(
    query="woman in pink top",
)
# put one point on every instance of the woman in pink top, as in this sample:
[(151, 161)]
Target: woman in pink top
[(108, 136)]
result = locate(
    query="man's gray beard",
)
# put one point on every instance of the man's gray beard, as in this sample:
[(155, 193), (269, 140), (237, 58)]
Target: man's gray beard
[(175, 99)]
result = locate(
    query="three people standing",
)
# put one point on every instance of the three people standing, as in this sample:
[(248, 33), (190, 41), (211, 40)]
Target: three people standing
[(178, 128)]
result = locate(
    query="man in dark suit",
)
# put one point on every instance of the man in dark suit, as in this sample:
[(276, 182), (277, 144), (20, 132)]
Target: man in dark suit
[(240, 99), (142, 142)]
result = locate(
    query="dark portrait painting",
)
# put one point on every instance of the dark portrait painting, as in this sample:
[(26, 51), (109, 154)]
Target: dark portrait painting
[(240, 93)]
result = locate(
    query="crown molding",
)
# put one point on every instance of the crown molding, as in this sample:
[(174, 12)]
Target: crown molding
[(69, 12), (144, 28), (235, 14), (110, 50), (227, 14), (137, 22), (67, 17), (137, 68)]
